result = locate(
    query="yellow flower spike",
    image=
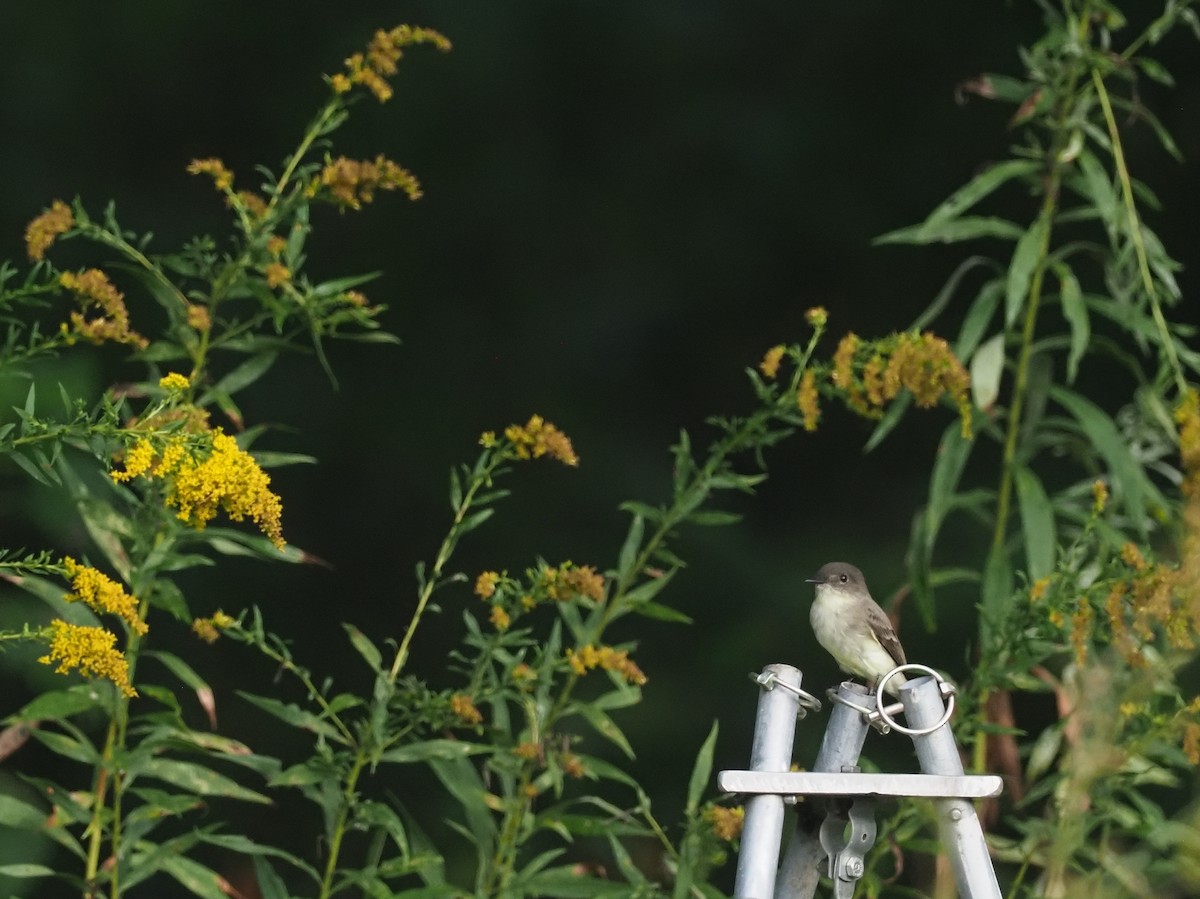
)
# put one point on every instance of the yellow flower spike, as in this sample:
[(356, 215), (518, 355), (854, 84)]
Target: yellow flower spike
[(102, 594), (92, 288), (808, 400), (43, 231), (500, 619), (726, 823), (277, 274), (215, 169), (539, 438), (228, 479), (464, 709), (91, 651), (770, 361), (137, 461)]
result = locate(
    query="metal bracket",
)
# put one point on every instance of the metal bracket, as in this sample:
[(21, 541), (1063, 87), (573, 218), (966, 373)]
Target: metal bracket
[(768, 681), (851, 784), (882, 717)]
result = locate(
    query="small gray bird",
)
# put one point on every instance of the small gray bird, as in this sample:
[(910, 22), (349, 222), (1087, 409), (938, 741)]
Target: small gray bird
[(852, 627)]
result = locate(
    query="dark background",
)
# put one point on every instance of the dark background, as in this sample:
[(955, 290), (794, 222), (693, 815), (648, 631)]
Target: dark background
[(626, 203)]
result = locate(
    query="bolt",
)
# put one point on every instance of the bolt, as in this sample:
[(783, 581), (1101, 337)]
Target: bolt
[(854, 868), (956, 814)]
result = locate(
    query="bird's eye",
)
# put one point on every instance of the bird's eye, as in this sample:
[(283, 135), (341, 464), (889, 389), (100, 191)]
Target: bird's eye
[(843, 578)]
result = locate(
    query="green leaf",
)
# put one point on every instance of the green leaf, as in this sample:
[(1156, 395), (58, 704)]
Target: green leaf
[(341, 285), (629, 549), (1027, 256), (462, 781), (16, 813), (1098, 187), (24, 870), (1130, 481), (659, 612), (987, 370), (429, 750), (891, 418), (713, 518), (366, 648), (243, 375), (949, 289), (997, 586), (978, 318), (193, 876), (1037, 523), (292, 714), (971, 193), (567, 882), (952, 454), (1075, 312), (971, 227), (605, 726), (180, 669), (197, 779), (701, 771), (60, 704)]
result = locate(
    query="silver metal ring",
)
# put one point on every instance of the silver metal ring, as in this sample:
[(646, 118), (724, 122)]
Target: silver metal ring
[(946, 688), (808, 702), (834, 696)]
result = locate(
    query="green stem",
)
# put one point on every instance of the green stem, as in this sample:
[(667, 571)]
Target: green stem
[(1021, 381), (1135, 234), (443, 555), (339, 830)]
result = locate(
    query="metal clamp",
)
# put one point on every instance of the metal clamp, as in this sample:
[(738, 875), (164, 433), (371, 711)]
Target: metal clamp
[(808, 702), (885, 713), (847, 856)]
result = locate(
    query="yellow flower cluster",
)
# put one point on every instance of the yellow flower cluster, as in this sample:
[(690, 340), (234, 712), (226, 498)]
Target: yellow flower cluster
[(808, 400), (537, 438), (372, 68), (209, 629), (276, 274), (510, 598), (568, 581), (91, 651), (175, 382), (102, 594), (43, 231), (250, 201), (350, 183), (726, 822), (463, 708), (207, 475), (198, 317), (92, 287), (770, 362), (870, 375), (590, 657), (215, 169)]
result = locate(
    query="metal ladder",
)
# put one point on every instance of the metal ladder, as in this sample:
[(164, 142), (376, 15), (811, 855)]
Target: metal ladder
[(845, 793)]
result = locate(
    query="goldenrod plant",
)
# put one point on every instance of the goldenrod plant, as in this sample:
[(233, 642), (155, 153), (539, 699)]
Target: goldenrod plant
[(525, 782)]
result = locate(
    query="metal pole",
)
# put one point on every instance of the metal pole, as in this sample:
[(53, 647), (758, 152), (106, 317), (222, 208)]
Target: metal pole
[(774, 733), (840, 747), (958, 824)]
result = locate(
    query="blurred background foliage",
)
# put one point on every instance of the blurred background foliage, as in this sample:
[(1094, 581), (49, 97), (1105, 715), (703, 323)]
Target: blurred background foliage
[(625, 204)]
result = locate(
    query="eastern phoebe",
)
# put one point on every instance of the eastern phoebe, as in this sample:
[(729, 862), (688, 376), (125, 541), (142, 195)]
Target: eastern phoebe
[(852, 627)]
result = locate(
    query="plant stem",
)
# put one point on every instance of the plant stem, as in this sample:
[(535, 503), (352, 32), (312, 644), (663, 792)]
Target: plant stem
[(339, 830), (1135, 234), (443, 555)]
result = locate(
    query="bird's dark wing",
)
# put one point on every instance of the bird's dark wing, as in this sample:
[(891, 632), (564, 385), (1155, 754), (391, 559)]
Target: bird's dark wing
[(885, 633)]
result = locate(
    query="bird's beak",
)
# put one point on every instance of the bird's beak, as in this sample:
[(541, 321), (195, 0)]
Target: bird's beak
[(813, 580)]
